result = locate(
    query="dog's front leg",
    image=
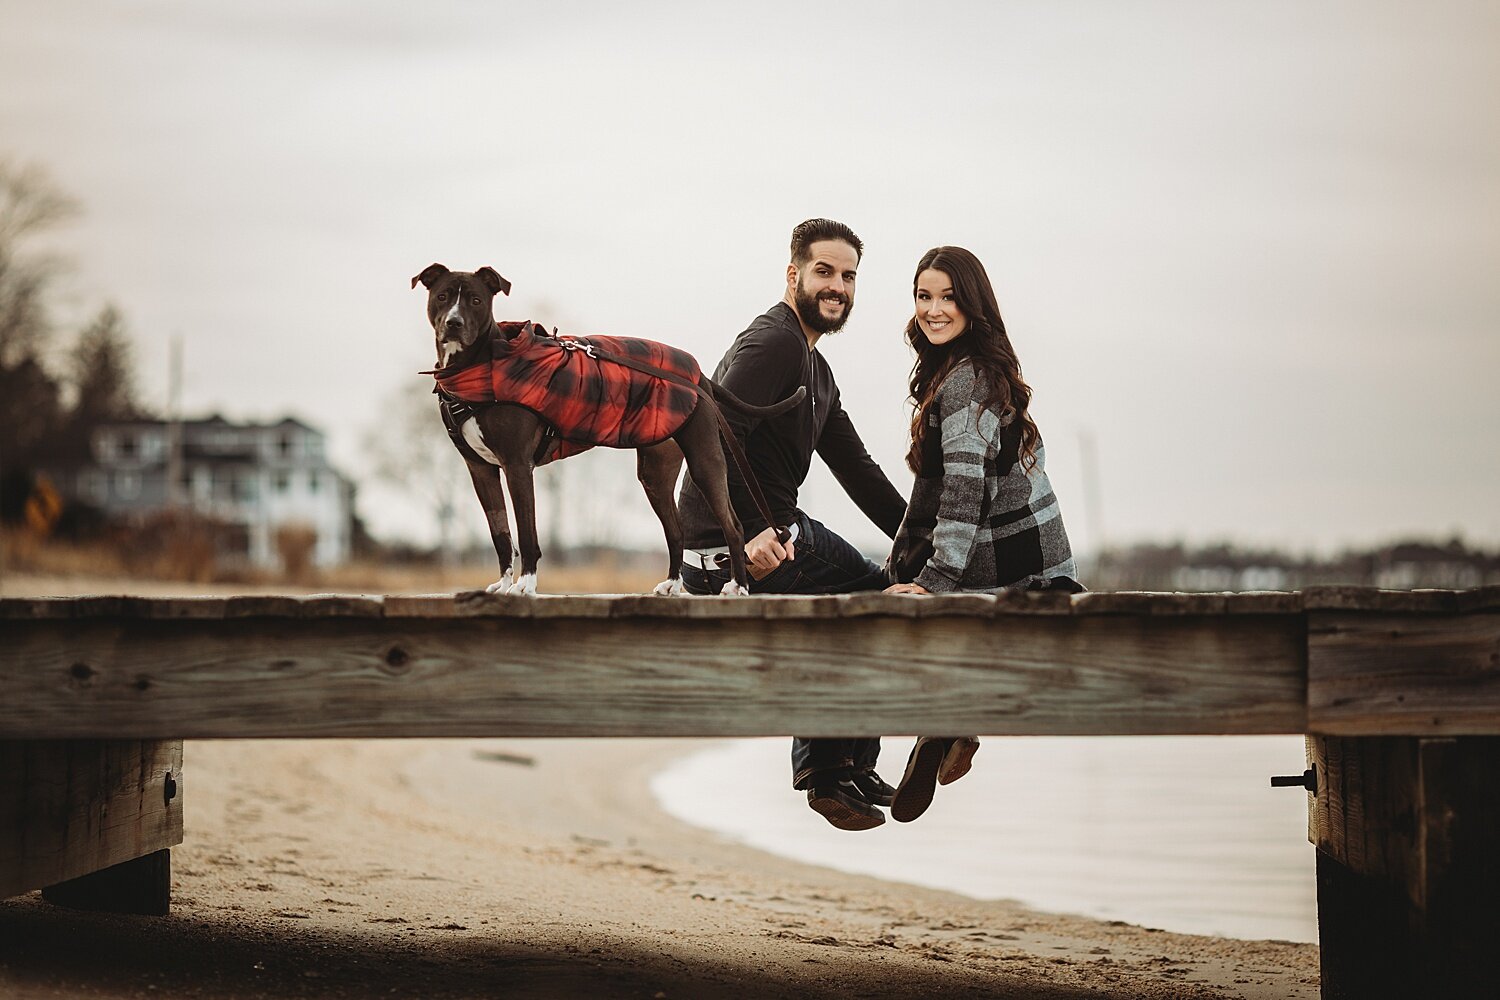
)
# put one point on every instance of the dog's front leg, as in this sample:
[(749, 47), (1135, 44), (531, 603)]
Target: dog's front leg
[(518, 434), (491, 493), (523, 498)]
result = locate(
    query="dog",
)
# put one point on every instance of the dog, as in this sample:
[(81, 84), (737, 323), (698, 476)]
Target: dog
[(510, 438)]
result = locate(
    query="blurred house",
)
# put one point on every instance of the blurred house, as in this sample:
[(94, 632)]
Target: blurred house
[(266, 483)]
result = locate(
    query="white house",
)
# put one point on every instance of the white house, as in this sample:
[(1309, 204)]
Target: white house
[(256, 478)]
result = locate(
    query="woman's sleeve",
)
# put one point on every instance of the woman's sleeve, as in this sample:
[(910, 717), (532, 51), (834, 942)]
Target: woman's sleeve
[(970, 434)]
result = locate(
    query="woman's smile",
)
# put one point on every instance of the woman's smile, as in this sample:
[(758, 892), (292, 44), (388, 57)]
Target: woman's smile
[(938, 314)]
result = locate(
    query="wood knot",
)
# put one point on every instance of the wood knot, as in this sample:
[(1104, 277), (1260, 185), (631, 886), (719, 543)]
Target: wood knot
[(82, 672), (397, 658), (142, 683)]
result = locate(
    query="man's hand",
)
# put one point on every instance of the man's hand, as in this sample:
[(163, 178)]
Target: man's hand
[(905, 588), (765, 553)]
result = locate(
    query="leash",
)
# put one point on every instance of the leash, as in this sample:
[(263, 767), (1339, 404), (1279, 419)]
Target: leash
[(727, 432)]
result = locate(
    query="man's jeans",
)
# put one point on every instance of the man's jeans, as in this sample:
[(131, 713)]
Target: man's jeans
[(824, 564)]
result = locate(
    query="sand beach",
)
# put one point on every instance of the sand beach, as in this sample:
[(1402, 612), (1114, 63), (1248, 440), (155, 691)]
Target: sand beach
[(368, 868)]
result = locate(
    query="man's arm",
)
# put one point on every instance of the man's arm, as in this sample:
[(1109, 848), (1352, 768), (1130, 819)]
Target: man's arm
[(844, 452)]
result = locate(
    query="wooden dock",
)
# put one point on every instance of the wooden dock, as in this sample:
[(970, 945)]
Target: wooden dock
[(1398, 692)]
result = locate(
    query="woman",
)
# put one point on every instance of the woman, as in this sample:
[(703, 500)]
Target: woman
[(982, 514)]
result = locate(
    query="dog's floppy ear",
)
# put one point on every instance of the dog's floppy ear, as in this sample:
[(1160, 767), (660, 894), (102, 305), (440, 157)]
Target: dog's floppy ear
[(493, 280), (430, 273)]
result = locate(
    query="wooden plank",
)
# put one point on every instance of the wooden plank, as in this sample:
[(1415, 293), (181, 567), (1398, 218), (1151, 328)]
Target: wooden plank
[(1407, 865), (1371, 599), (1396, 673), (1363, 947), (1036, 602), (69, 808), (1482, 599), (341, 606), (469, 603), (1263, 602), (1460, 839), (1317, 802), (494, 676), (1366, 846)]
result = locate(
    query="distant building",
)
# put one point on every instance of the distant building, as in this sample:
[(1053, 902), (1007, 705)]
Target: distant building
[(255, 478), (1409, 565)]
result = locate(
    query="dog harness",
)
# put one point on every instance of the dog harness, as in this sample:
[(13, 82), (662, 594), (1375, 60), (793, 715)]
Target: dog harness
[(585, 399)]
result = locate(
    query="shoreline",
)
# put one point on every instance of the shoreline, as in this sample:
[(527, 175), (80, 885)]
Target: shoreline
[(1091, 840), (544, 868)]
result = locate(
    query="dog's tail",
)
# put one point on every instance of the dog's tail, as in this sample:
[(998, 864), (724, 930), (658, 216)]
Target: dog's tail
[(723, 395)]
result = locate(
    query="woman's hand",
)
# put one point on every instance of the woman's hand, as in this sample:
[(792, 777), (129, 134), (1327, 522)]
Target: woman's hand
[(906, 588)]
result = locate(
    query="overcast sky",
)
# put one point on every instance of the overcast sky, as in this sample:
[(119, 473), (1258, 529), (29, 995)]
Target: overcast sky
[(1250, 251)]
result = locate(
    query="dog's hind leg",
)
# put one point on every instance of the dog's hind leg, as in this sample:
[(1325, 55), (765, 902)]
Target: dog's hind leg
[(491, 494), (657, 468), (699, 439)]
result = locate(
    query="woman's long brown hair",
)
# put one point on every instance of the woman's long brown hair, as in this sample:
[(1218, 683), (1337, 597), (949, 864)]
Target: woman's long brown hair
[(984, 342)]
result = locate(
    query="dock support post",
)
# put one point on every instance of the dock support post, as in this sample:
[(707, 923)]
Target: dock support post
[(1407, 831), (142, 885), (90, 822)]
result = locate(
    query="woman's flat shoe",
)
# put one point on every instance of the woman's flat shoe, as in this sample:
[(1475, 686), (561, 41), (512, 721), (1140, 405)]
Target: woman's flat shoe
[(914, 794), (957, 761)]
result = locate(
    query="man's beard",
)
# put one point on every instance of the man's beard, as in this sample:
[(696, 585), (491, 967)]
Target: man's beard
[(812, 314)]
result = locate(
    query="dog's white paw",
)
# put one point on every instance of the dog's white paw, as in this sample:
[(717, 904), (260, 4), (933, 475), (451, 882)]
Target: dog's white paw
[(500, 586), (670, 588), (732, 589), (525, 585)]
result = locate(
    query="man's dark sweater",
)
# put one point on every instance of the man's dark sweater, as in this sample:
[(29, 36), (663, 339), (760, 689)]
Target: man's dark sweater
[(765, 365)]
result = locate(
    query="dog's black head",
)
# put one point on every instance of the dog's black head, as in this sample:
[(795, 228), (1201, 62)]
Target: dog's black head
[(459, 305)]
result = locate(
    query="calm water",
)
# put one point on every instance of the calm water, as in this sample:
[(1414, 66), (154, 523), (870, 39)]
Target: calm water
[(1181, 833)]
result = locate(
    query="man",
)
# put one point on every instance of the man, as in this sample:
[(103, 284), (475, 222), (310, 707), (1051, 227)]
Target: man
[(767, 363)]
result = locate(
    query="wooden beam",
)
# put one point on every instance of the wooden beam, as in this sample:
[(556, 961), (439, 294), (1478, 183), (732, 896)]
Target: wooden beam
[(1376, 662), (69, 808), (1394, 673), (819, 666)]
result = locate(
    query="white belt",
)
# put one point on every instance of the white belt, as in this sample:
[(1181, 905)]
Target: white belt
[(708, 559)]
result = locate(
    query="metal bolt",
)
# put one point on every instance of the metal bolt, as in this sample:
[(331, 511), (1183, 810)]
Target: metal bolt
[(1307, 779)]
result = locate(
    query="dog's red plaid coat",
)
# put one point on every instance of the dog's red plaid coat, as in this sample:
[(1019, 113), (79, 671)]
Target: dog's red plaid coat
[(587, 401)]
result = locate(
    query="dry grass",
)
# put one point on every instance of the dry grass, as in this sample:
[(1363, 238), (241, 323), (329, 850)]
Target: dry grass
[(30, 566)]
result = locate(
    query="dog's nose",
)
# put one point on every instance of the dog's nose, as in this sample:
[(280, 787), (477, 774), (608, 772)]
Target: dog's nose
[(454, 323)]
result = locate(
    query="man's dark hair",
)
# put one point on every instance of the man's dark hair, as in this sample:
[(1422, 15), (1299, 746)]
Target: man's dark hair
[(815, 231)]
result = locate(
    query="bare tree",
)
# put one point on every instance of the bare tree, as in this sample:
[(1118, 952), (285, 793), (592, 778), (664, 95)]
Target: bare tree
[(410, 450), (29, 204), (29, 395), (101, 369)]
